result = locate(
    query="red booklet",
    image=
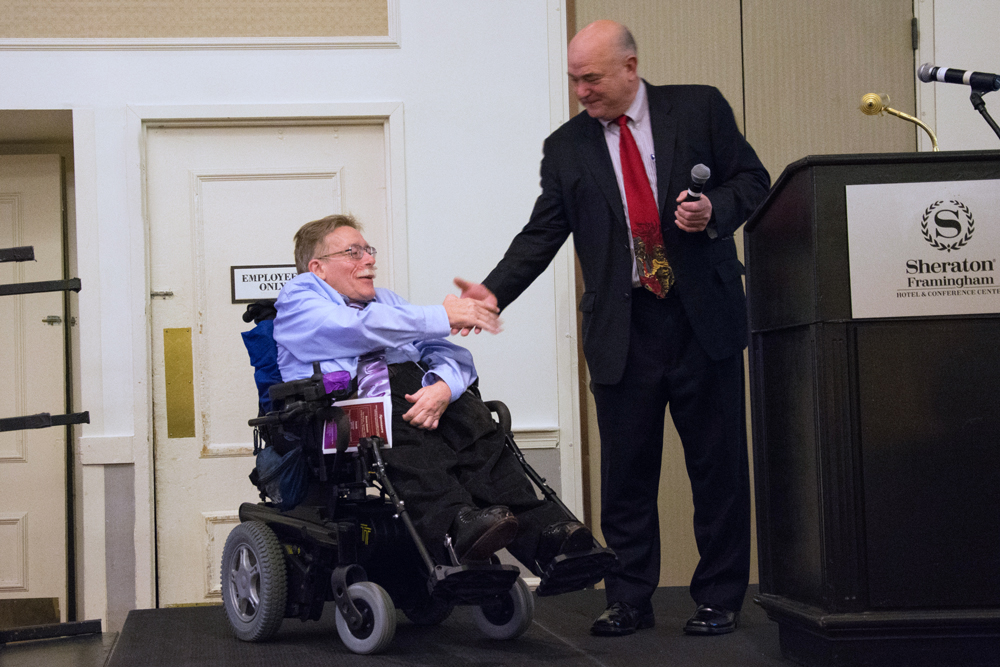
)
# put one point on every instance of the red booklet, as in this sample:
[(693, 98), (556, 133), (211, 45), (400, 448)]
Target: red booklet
[(369, 417)]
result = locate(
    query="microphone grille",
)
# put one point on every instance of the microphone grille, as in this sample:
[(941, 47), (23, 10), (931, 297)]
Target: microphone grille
[(924, 73), (700, 173)]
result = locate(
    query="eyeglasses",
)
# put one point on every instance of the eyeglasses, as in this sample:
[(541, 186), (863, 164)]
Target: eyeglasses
[(355, 251)]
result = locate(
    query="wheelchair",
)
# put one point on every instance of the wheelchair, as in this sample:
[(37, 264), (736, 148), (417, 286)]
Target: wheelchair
[(339, 532)]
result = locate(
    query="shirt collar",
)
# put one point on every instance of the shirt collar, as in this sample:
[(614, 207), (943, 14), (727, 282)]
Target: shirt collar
[(637, 110)]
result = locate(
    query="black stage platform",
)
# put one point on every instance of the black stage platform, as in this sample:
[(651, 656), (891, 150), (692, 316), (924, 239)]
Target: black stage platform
[(559, 636)]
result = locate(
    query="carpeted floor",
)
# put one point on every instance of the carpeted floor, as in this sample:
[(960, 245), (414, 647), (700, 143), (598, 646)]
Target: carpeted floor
[(559, 636)]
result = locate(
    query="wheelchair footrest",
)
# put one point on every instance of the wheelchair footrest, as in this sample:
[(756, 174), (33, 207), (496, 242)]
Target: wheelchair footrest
[(573, 572), (472, 584)]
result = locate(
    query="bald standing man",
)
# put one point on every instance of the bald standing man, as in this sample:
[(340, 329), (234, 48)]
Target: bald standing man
[(664, 312)]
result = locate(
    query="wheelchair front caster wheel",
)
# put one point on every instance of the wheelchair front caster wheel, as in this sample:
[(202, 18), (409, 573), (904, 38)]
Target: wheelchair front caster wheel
[(510, 616), (379, 614), (254, 587)]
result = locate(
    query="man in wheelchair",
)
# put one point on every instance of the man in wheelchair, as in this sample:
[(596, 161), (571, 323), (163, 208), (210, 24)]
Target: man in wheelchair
[(466, 493)]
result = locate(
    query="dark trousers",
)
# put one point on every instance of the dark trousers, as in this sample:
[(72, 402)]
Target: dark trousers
[(667, 367), (464, 461)]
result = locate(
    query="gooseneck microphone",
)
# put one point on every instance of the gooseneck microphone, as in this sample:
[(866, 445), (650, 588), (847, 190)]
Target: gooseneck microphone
[(699, 174), (980, 81)]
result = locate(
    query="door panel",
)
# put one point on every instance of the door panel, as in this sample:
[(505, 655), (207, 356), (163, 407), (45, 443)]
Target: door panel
[(219, 197), (33, 462)]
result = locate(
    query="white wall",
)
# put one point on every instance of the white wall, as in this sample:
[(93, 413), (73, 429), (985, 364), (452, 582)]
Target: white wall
[(482, 83), (961, 34)]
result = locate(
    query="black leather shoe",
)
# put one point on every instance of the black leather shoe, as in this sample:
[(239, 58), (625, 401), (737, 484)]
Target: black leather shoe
[(569, 559), (709, 620), (563, 538), (621, 618), (479, 533)]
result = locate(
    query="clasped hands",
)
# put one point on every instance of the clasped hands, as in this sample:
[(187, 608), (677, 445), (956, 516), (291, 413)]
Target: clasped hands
[(472, 313)]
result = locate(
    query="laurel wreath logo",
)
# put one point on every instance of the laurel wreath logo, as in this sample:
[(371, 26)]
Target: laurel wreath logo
[(954, 245)]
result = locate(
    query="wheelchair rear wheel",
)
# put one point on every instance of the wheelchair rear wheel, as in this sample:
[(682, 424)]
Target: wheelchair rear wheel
[(254, 588), (509, 617), (379, 626), (431, 612)]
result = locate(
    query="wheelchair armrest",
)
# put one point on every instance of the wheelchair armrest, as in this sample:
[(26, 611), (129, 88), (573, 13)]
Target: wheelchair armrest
[(309, 389), (503, 414)]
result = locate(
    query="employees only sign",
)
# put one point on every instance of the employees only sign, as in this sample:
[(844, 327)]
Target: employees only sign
[(253, 283)]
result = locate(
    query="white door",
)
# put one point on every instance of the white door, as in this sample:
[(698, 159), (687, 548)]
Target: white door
[(32, 380), (221, 197)]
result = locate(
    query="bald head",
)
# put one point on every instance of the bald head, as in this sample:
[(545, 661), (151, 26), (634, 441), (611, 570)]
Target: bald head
[(603, 69), (605, 34)]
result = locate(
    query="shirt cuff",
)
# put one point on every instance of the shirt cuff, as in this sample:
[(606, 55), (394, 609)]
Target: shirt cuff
[(437, 322), (430, 377)]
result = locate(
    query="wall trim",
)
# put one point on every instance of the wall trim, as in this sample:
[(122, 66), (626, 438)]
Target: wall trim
[(105, 449), (536, 438), (390, 41), (923, 11), (568, 436)]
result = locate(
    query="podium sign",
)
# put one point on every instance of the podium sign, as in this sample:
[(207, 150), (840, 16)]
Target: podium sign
[(924, 249)]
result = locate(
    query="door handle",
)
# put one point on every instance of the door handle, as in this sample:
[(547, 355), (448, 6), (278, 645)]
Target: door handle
[(52, 320)]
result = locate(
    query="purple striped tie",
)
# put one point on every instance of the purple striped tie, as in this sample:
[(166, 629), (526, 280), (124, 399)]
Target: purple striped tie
[(373, 373)]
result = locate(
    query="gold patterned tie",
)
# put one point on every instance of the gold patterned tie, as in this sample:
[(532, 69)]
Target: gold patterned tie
[(655, 273)]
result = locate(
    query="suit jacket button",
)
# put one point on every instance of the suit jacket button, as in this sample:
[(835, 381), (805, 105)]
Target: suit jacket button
[(627, 295)]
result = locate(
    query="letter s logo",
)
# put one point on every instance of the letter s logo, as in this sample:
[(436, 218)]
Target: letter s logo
[(953, 225), (947, 222)]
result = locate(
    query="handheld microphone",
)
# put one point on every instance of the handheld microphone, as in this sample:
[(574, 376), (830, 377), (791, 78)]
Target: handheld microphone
[(980, 81), (699, 174)]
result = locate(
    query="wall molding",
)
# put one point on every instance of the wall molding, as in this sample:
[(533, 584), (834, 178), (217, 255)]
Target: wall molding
[(105, 449), (547, 438), (217, 528), (14, 573), (390, 41)]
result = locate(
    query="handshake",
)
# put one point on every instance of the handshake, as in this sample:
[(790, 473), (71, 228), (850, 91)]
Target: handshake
[(475, 310)]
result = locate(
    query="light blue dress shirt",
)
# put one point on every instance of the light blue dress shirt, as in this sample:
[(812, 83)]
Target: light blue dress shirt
[(314, 323)]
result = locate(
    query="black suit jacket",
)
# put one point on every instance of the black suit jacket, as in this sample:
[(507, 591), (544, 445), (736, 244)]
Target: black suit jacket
[(580, 195)]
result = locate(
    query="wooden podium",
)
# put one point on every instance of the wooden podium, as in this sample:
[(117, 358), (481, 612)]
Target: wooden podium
[(876, 441)]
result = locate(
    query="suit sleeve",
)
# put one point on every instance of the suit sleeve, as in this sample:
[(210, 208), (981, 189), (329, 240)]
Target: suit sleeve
[(743, 179), (537, 243)]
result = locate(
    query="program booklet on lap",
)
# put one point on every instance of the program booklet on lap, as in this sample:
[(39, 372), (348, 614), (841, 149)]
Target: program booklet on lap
[(368, 416)]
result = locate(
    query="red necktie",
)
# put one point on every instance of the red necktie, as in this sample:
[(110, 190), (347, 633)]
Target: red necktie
[(655, 273)]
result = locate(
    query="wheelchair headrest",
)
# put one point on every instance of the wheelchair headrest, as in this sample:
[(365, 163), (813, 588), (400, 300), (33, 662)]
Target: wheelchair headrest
[(258, 311)]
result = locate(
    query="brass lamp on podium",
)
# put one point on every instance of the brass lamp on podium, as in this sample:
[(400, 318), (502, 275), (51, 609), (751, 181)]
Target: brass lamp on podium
[(873, 105)]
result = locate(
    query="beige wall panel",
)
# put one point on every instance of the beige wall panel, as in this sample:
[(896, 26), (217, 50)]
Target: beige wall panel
[(682, 41), (148, 19), (807, 64)]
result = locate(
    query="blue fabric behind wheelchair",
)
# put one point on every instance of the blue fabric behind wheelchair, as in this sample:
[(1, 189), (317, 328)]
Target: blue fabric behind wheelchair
[(284, 478), (259, 342)]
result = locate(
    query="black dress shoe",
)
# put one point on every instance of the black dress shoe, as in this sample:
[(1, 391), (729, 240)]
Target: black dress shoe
[(621, 618), (569, 559), (479, 533), (564, 537), (709, 620)]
